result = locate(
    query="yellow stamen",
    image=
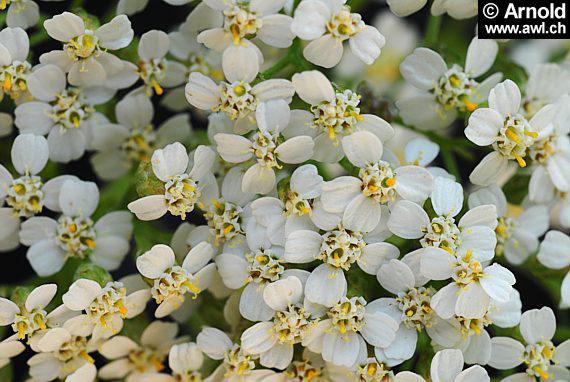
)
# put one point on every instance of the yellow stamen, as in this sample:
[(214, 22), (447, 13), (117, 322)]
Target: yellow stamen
[(372, 369), (72, 228), (532, 134), (228, 229), (512, 135), (390, 182), (40, 322), (157, 88), (21, 330), (520, 161), (3, 5), (342, 327), (543, 374), (91, 243), (475, 328), (469, 105), (87, 357), (7, 83)]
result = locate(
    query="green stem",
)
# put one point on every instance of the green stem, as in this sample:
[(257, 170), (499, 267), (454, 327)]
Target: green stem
[(450, 163), (432, 30)]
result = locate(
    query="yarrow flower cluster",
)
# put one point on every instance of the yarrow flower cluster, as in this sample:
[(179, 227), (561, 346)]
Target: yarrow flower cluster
[(280, 191)]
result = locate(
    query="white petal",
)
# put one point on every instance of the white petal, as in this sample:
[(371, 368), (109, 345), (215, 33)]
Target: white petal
[(116, 34), (81, 294), (362, 148), (375, 255), (362, 214), (202, 92), (238, 65), (310, 19), (46, 258), (506, 353), (489, 169), (472, 302), (413, 183), (325, 285), (153, 44), (313, 87), (64, 27), (538, 325), (423, 68), (480, 56), (170, 161), (484, 126), (380, 329), (505, 98), (259, 338), (153, 263), (276, 31), (258, 180), (407, 219), (444, 301), (339, 192), (149, 207), (302, 246), (446, 365), (396, 277), (252, 305), (366, 44), (282, 293), (40, 297), (295, 150)]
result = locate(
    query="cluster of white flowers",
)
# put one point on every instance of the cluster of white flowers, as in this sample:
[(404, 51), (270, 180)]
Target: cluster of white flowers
[(321, 236)]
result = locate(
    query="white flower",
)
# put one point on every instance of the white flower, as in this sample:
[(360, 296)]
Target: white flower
[(237, 97), (226, 213), (334, 115), (105, 307), (75, 234), (537, 328), (458, 9), (517, 236), (550, 153), (130, 360), (405, 8), (274, 339), (327, 25), (31, 318), (10, 348), (546, 84), (182, 189), (267, 146), (411, 308), (234, 22), (153, 68), (133, 138), (503, 127), (14, 67), (64, 114), (469, 334), (383, 75), (26, 195), (474, 283), (350, 325), (444, 91), (473, 232), (21, 13), (237, 365), (171, 282), (379, 183), (447, 366), (255, 268), (84, 56), (64, 350), (338, 249), (552, 254), (365, 369)]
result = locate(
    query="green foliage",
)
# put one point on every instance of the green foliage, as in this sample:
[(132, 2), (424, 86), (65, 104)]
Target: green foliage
[(93, 272)]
